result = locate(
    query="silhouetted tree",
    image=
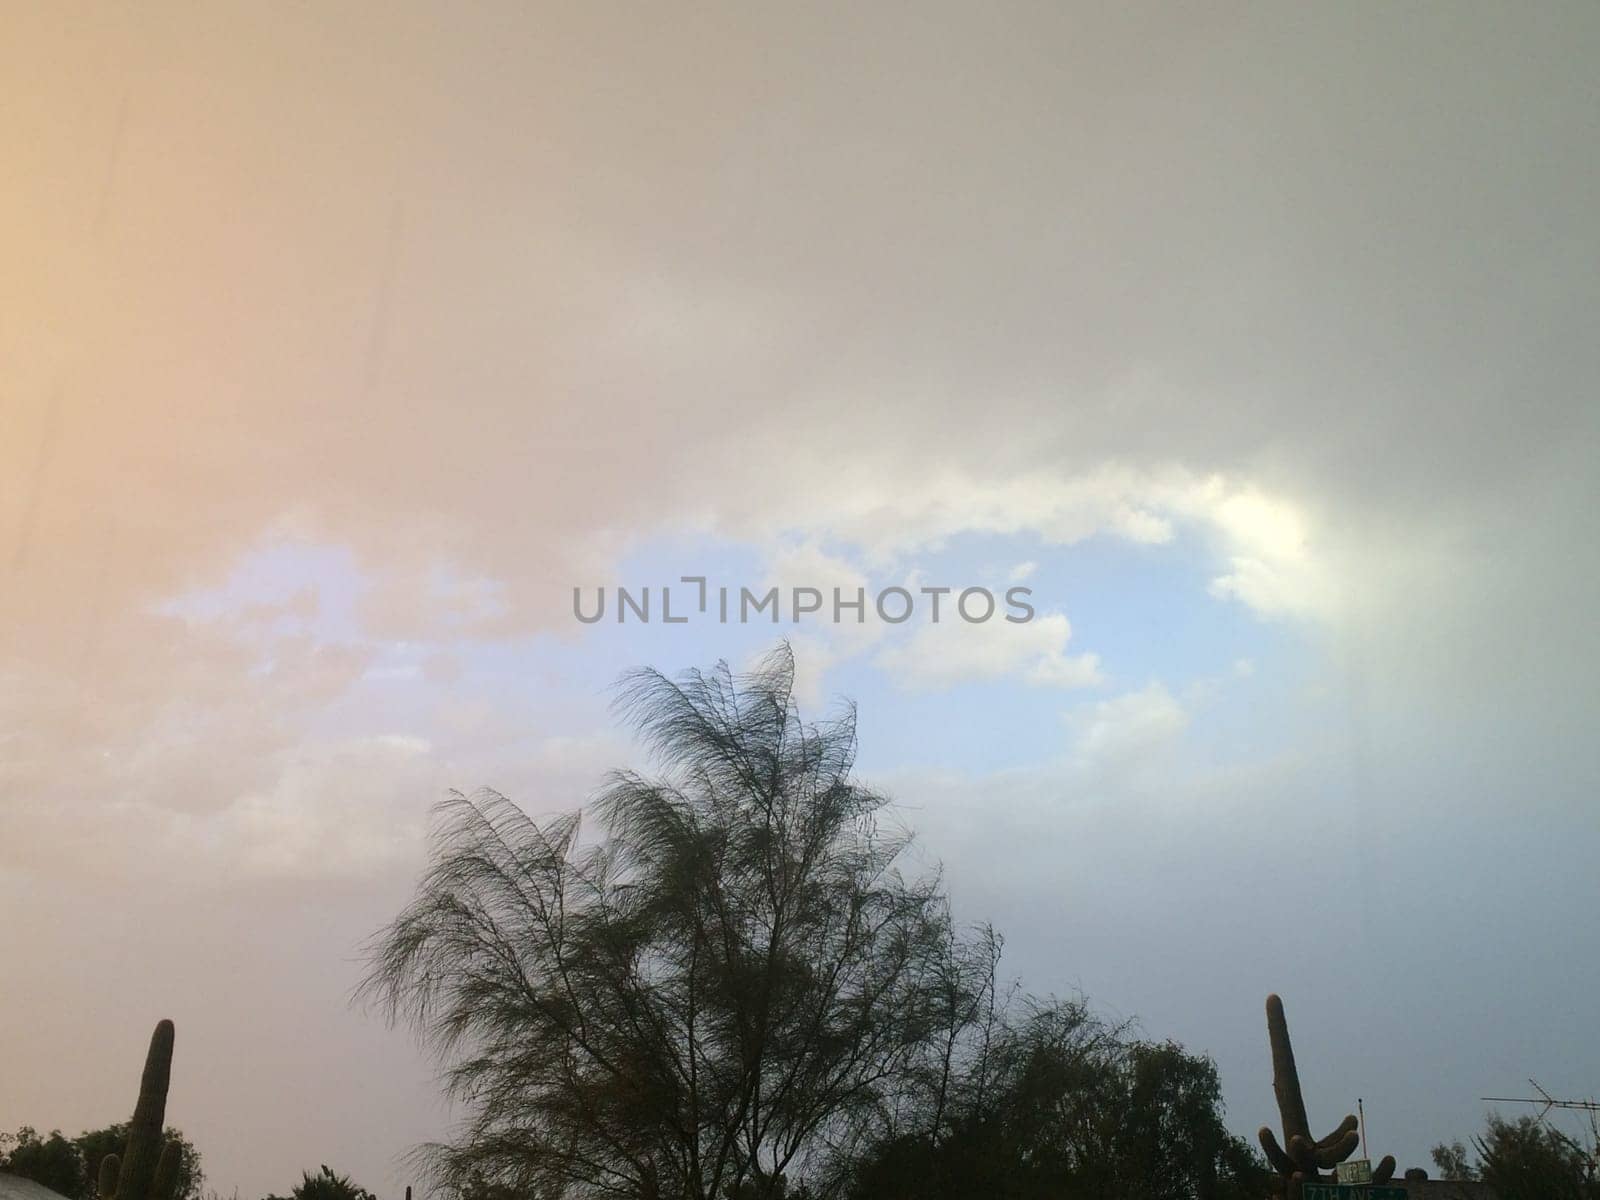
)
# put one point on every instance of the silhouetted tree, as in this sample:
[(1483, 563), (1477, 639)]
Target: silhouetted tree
[(51, 1160), (1061, 1105), (1451, 1162), (326, 1184), (713, 1001), (1527, 1160)]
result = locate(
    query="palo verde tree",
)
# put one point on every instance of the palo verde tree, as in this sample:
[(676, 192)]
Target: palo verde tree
[(1527, 1159), (703, 1002), (1524, 1159), (1053, 1103)]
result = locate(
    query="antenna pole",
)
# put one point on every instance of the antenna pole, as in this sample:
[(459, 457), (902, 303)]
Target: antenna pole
[(1547, 1102)]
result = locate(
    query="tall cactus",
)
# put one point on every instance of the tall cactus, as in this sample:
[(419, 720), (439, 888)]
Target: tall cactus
[(1301, 1158), (149, 1165)]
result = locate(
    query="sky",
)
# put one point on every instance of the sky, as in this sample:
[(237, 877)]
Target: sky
[(340, 343)]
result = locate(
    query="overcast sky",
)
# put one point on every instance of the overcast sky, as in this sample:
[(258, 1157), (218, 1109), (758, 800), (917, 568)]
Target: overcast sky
[(339, 343)]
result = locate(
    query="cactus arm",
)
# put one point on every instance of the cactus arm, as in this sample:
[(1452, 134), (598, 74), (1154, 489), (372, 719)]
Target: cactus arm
[(1327, 1156), (1281, 1162), (1348, 1125), (165, 1184), (110, 1165), (1304, 1153)]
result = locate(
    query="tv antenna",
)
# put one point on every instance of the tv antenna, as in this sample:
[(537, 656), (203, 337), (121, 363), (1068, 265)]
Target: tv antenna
[(1546, 1103)]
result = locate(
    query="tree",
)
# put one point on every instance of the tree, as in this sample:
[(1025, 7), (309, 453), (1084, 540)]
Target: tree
[(714, 1000), (95, 1144), (1172, 1137), (52, 1160), (1059, 1105), (1528, 1160), (326, 1184), (1451, 1162)]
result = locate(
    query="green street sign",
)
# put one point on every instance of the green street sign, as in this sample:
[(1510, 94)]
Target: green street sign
[(1358, 1191), (1357, 1170)]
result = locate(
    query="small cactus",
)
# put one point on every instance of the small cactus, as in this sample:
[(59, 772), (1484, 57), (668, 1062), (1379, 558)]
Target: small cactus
[(149, 1165), (1300, 1158)]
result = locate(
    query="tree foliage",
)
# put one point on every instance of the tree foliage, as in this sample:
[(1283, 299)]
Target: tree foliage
[(51, 1160), (1452, 1163), (71, 1166), (1058, 1105), (326, 1184), (732, 992), (702, 1004), (1526, 1159)]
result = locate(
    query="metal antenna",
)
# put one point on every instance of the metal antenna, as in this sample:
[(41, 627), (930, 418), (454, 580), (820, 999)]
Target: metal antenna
[(1546, 1102)]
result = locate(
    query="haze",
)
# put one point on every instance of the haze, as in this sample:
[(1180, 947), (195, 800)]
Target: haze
[(339, 343)]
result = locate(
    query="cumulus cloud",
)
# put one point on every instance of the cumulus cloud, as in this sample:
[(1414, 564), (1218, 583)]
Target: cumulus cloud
[(1269, 556), (952, 651)]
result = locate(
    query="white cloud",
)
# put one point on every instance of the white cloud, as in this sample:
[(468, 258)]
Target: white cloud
[(1272, 560), (1122, 730), (954, 651), (821, 643), (1264, 540), (892, 515)]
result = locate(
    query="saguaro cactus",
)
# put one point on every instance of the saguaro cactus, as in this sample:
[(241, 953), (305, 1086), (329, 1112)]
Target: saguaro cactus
[(1301, 1157), (149, 1165)]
